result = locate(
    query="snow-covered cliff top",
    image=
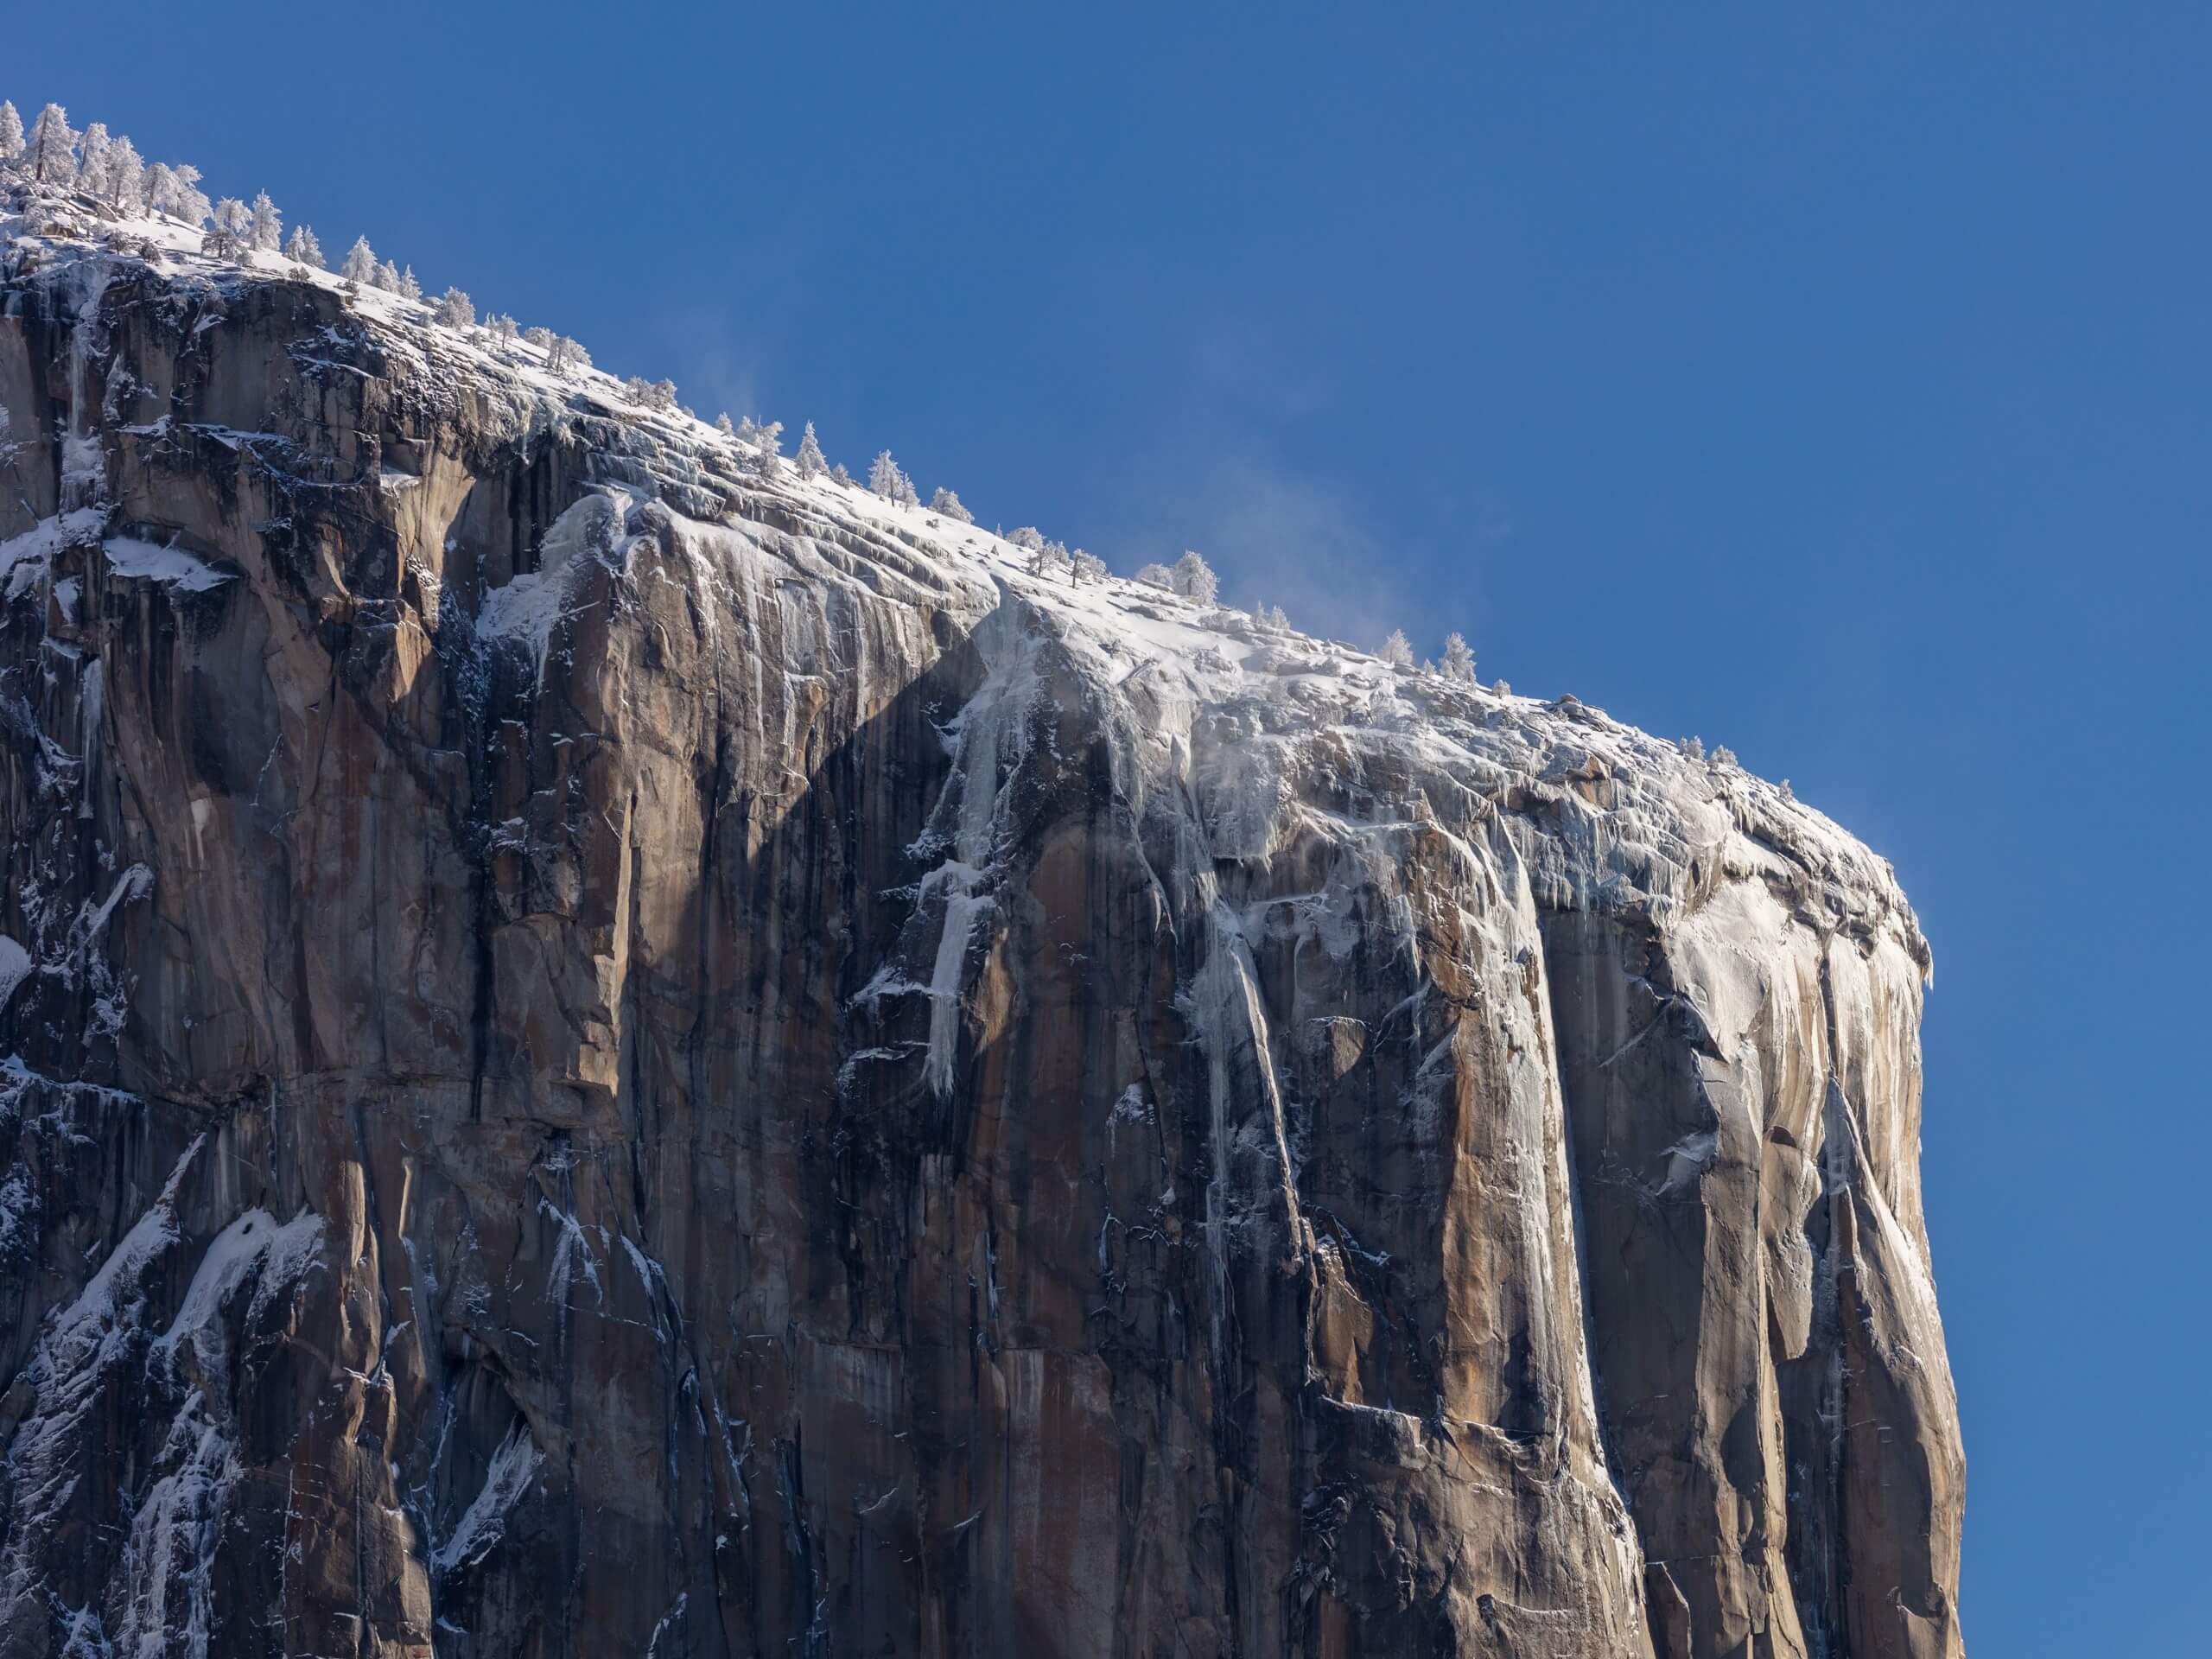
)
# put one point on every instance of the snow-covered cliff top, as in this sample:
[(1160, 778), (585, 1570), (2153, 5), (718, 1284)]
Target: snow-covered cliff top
[(1645, 821)]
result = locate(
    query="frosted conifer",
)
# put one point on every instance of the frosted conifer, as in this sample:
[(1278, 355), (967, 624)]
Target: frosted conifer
[(565, 356), (839, 475), (11, 133), (501, 327), (946, 504), (387, 276), (1397, 650), (539, 335), (1157, 575), (1459, 660), (811, 461), (409, 288), (360, 264), (50, 152), (1194, 579), (173, 190), (163, 188), (455, 310), (123, 181), (226, 238), (195, 209), (266, 231), (301, 249), (92, 156), (888, 481)]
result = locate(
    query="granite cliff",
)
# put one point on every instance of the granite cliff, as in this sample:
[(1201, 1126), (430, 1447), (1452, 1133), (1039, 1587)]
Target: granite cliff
[(611, 1050)]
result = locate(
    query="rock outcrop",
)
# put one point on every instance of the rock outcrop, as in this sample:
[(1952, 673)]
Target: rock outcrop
[(609, 1051)]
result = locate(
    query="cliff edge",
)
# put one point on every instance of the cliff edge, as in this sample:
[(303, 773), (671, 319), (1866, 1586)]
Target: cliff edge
[(610, 1049)]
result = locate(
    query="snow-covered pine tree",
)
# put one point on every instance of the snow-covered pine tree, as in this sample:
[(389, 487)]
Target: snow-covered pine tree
[(266, 231), (387, 276), (360, 264), (768, 446), (122, 183), (566, 356), (1459, 660), (454, 309), (1500, 687), (884, 477), (501, 327), (1194, 579), (1157, 575), (92, 156), (301, 249), (811, 461), (1397, 650), (11, 133), (194, 207), (409, 288), (839, 475), (662, 395), (227, 237), (50, 152), (1086, 567), (172, 189), (723, 426), (946, 504), (539, 335), (1693, 749)]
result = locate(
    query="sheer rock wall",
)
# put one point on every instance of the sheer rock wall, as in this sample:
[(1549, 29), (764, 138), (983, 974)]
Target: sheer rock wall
[(610, 1055)]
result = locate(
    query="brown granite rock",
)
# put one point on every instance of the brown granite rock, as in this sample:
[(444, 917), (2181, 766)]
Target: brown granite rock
[(611, 1055)]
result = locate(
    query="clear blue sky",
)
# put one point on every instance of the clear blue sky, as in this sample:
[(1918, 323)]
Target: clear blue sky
[(1839, 389)]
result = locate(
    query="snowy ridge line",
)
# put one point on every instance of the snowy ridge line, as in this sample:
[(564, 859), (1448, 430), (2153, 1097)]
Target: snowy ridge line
[(1648, 819)]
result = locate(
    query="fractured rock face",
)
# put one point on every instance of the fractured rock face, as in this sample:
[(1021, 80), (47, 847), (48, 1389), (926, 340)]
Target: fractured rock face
[(611, 1054)]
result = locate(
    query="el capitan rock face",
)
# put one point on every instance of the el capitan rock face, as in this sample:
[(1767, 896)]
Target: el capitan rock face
[(611, 1055)]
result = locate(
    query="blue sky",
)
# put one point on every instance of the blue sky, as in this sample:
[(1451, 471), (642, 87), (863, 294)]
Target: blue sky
[(1834, 387)]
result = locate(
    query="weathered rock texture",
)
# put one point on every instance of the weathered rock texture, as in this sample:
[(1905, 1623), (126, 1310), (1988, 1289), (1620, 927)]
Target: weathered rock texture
[(608, 1055)]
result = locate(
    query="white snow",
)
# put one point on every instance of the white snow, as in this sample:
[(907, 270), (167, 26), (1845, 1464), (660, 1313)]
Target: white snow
[(15, 967), (483, 1523), (24, 557), (173, 566), (252, 1247), (527, 609)]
